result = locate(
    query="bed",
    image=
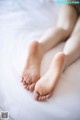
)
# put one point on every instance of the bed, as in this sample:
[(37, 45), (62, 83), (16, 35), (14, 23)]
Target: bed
[(22, 21)]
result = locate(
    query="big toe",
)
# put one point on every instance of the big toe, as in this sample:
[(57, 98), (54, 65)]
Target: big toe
[(36, 95), (28, 79), (31, 87)]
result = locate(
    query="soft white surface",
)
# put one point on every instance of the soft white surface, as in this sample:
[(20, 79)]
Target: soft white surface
[(22, 21)]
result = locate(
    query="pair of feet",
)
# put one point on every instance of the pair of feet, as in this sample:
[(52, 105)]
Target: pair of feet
[(44, 86)]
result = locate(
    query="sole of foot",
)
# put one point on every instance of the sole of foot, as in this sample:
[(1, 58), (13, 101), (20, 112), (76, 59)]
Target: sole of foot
[(46, 85), (31, 73)]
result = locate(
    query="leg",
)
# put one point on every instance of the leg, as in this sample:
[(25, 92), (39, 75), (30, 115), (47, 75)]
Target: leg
[(72, 46), (31, 72), (64, 27), (45, 86)]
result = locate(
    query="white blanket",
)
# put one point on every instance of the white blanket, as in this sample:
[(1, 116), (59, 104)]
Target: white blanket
[(22, 21)]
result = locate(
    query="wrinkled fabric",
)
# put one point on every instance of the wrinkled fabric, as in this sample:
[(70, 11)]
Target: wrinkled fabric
[(22, 21)]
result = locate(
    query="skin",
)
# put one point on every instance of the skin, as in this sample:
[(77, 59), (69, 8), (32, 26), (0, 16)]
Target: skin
[(44, 86)]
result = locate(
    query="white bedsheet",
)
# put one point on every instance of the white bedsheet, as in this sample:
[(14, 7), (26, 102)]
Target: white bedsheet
[(22, 21)]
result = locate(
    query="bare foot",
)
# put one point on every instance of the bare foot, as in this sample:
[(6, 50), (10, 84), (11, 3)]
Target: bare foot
[(31, 72), (45, 86)]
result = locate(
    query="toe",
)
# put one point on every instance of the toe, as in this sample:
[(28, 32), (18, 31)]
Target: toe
[(39, 98), (26, 77), (31, 87), (32, 81), (42, 98), (27, 87), (24, 82), (36, 95), (29, 80), (48, 96)]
